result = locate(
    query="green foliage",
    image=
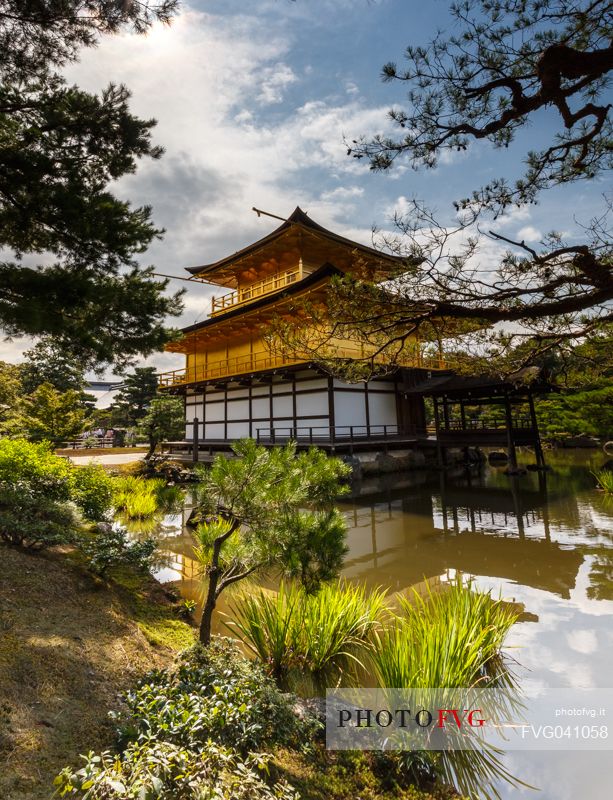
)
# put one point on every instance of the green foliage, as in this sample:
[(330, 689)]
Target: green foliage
[(164, 420), (11, 392), (135, 395), (214, 693), (111, 547), (322, 635), (35, 488), (61, 148), (570, 414), (605, 480), (253, 506), (168, 772), (186, 608), (49, 362), (29, 519), (194, 732), (139, 498), (52, 415), (93, 490), (448, 639), (25, 462)]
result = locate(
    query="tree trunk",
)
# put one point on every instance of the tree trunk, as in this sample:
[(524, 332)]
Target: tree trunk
[(213, 590), (151, 450), (209, 607)]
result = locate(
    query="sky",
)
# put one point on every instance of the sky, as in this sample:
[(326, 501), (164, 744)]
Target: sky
[(254, 102)]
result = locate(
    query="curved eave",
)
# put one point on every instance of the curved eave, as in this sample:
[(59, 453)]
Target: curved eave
[(297, 218)]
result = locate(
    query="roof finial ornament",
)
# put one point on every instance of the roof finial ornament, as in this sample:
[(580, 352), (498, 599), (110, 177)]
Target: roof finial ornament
[(259, 212)]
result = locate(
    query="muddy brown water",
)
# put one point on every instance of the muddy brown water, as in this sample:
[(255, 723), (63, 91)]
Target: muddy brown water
[(545, 542)]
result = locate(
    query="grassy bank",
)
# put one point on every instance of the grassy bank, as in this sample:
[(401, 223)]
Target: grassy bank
[(68, 646)]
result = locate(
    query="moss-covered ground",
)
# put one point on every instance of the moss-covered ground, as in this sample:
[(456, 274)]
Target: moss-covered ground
[(69, 645)]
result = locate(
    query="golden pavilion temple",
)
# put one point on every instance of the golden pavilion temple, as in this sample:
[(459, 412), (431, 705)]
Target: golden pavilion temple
[(233, 383)]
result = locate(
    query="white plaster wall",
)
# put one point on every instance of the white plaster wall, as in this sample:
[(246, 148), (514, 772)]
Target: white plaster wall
[(238, 430), (214, 412), (382, 409), (238, 409), (282, 407), (312, 404), (214, 430), (260, 407), (349, 408)]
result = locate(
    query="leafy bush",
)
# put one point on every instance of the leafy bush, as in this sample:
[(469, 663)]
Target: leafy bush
[(193, 733), (171, 471), (31, 520), (214, 693), (186, 608), (22, 462), (93, 491), (35, 487), (321, 635), (111, 547), (167, 772)]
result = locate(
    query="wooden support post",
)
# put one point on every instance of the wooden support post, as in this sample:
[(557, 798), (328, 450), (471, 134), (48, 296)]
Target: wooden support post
[(437, 425), (195, 440), (510, 441), (538, 449)]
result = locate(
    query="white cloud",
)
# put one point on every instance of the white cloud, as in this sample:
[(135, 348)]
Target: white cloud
[(529, 234), (342, 193), (275, 81)]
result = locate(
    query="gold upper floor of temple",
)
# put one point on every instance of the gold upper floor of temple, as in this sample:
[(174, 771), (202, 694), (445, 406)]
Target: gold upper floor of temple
[(252, 291)]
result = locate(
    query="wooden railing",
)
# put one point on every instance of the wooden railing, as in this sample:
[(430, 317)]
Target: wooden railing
[(252, 291), (325, 433), (237, 365), (264, 360), (519, 423)]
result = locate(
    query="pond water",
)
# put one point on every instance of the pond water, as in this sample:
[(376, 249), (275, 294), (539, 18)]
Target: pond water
[(544, 541)]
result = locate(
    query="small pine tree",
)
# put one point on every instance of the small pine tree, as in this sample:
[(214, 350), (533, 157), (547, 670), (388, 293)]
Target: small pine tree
[(254, 507), (164, 420)]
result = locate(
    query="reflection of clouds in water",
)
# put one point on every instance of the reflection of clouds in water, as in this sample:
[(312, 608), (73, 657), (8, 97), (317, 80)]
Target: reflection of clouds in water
[(552, 651), (579, 595), (583, 641), (560, 776)]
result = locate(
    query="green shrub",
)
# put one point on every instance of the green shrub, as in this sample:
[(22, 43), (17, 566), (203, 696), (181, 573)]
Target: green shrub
[(111, 547), (22, 462), (322, 635), (93, 491), (29, 519), (35, 487), (214, 693), (194, 733), (167, 772)]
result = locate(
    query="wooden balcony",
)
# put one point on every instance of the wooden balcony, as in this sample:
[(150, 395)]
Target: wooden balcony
[(238, 365), (253, 291), (264, 360)]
